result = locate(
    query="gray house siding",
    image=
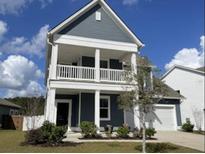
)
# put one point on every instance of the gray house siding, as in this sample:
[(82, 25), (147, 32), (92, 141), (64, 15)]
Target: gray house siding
[(117, 115), (88, 111), (75, 107), (87, 107), (87, 26), (175, 102)]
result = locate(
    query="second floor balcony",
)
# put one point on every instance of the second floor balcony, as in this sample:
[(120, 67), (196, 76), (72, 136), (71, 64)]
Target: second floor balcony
[(85, 64), (69, 72)]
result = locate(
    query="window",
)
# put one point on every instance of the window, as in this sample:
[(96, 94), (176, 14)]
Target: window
[(105, 108), (103, 64), (98, 16)]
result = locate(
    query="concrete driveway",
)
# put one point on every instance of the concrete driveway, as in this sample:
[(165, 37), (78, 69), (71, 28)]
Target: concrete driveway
[(194, 141)]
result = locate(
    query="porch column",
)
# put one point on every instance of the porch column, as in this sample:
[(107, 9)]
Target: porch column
[(97, 65), (50, 112), (54, 60), (97, 109), (134, 62), (136, 108)]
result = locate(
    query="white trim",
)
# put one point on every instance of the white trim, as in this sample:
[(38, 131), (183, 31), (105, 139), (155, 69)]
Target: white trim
[(97, 109), (182, 67), (79, 109), (90, 86), (109, 109), (97, 65), (95, 43), (174, 113), (54, 59), (109, 11), (72, 18), (69, 101)]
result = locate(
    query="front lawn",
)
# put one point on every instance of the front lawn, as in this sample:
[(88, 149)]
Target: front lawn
[(10, 141)]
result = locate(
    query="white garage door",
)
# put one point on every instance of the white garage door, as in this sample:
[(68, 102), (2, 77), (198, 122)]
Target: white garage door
[(163, 118)]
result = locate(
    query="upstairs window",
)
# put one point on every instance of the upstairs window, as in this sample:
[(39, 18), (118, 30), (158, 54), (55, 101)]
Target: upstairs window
[(105, 108), (98, 16)]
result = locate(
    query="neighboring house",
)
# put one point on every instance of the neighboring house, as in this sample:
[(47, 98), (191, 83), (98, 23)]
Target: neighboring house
[(7, 108), (86, 57), (190, 83)]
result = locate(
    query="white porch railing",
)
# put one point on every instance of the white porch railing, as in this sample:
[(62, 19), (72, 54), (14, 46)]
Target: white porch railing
[(112, 75), (75, 72), (89, 73)]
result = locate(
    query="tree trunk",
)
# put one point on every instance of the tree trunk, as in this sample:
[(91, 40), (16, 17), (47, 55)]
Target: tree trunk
[(143, 133)]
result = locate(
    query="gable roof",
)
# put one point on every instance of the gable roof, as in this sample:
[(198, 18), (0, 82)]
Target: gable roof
[(199, 71), (4, 102), (86, 8), (170, 93)]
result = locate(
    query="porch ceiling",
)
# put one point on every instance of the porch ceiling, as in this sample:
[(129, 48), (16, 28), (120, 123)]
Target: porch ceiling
[(75, 92), (69, 53)]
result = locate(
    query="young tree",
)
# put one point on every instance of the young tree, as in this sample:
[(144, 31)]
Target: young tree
[(146, 91)]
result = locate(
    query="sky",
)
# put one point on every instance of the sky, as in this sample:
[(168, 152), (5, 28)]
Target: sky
[(172, 31)]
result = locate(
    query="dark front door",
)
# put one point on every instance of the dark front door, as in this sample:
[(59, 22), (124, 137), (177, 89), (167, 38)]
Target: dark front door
[(62, 114)]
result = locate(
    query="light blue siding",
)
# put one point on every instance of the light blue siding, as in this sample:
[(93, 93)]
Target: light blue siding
[(106, 29)]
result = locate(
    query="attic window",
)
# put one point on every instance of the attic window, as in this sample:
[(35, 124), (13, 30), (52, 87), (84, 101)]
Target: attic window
[(98, 16)]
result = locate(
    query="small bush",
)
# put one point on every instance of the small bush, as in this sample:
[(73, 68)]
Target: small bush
[(88, 129), (150, 132), (157, 147), (34, 137), (123, 131), (48, 133), (187, 127)]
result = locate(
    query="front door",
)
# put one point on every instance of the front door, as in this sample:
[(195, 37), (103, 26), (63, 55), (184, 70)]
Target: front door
[(63, 113)]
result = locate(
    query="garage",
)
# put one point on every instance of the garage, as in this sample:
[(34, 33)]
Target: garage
[(163, 118)]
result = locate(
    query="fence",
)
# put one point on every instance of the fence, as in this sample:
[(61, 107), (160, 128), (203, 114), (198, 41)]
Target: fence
[(33, 122)]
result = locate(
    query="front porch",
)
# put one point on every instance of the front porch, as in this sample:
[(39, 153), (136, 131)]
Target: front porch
[(72, 107)]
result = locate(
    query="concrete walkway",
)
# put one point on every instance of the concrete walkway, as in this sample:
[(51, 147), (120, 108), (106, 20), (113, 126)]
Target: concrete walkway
[(194, 141)]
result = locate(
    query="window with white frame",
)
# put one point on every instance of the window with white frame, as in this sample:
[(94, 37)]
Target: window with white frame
[(105, 108), (98, 16)]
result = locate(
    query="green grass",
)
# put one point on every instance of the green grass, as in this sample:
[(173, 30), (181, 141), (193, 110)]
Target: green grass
[(10, 141)]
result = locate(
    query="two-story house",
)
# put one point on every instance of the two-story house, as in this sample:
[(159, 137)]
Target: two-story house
[(86, 57)]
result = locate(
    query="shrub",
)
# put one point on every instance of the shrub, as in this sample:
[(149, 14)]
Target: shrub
[(150, 132), (157, 147), (48, 133), (53, 134), (88, 129), (34, 137), (187, 127), (123, 131)]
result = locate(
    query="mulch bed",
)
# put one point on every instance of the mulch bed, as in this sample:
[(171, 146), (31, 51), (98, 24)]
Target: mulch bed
[(114, 138)]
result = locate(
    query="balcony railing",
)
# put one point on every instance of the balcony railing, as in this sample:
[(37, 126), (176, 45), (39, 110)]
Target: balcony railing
[(89, 73)]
